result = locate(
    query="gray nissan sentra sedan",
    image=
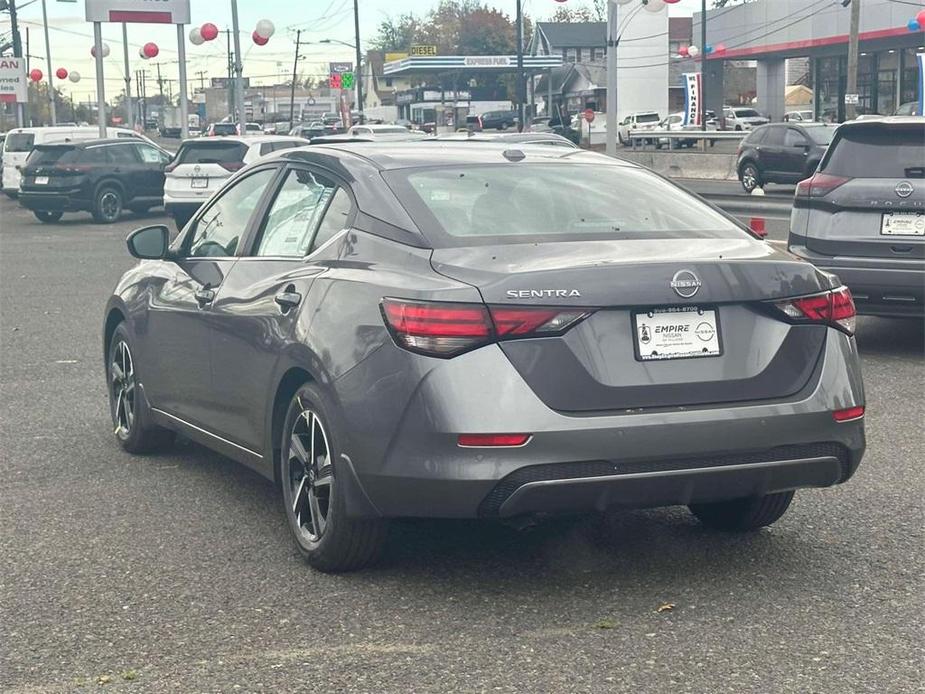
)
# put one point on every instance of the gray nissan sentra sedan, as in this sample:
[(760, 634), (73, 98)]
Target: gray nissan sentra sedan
[(449, 330)]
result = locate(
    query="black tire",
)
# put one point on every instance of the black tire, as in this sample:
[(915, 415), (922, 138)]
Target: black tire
[(741, 515), (131, 416), (750, 176), (47, 216), (107, 205), (332, 542)]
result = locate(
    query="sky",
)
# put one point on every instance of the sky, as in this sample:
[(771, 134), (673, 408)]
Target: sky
[(71, 38)]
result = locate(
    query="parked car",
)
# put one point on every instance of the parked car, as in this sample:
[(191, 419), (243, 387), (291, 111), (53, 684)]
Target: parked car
[(479, 332), (102, 177), (675, 121), (527, 138), (202, 166), (312, 130), (862, 214), (742, 118), (383, 132), (644, 120), (539, 124), (221, 130), (798, 116), (253, 129), (20, 142), (910, 108), (781, 153), (498, 120)]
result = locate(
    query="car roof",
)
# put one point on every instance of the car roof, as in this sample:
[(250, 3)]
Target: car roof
[(94, 143), (402, 155), (243, 139), (885, 120)]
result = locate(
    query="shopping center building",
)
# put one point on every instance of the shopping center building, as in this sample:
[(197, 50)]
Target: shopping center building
[(772, 31)]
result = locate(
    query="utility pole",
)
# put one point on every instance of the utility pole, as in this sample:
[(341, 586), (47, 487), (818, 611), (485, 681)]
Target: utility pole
[(17, 52), (851, 89), (295, 67), (202, 80), (359, 71), (521, 81), (238, 69), (129, 109), (229, 84), (703, 68), (51, 87), (160, 83)]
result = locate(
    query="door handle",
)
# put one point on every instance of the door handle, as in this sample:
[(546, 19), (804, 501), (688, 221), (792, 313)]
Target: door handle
[(288, 300), (204, 296)]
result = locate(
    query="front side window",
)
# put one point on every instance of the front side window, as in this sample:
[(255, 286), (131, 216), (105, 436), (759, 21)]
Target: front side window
[(794, 138), (151, 155), (219, 230), (774, 136), (295, 213)]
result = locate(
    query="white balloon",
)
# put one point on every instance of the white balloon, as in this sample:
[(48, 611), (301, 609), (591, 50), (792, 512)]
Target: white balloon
[(141, 52), (73, 76), (105, 50), (693, 51), (195, 37), (265, 28), (624, 2), (655, 5)]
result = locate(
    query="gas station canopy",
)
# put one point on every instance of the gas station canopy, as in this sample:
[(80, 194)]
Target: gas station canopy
[(440, 63)]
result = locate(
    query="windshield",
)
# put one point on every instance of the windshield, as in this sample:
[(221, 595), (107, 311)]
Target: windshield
[(821, 135), (647, 118), (46, 156), (485, 204), (747, 113), (878, 152), (19, 142), (225, 129), (211, 153)]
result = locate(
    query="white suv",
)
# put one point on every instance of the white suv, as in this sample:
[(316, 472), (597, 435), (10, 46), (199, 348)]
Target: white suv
[(644, 120), (202, 165), (743, 118)]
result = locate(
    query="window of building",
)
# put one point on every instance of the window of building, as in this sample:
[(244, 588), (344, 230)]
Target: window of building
[(571, 55)]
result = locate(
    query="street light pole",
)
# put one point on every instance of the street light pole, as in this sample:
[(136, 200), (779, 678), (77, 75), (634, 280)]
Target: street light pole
[(51, 86), (358, 74), (295, 67), (521, 81), (703, 67), (851, 105), (612, 18), (238, 68)]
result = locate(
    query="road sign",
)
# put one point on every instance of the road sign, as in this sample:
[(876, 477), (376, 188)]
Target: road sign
[(340, 68), (13, 86), (423, 50), (588, 115), (852, 99), (139, 11), (347, 80)]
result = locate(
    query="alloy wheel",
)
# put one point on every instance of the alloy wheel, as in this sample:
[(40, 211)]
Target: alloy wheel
[(122, 385), (749, 178), (110, 205), (311, 475)]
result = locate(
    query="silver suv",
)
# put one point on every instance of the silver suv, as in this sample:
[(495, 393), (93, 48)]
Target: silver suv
[(862, 214)]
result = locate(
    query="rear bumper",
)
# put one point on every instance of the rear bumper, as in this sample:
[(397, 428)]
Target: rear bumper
[(880, 286), (63, 201), (406, 461)]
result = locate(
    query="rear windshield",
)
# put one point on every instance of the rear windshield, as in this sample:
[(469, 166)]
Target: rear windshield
[(487, 204), (878, 152), (647, 118), (821, 134), (746, 113), (46, 156), (19, 142), (225, 129), (211, 153)]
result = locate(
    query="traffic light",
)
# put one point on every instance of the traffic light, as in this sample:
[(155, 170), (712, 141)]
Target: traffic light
[(347, 80), (335, 81)]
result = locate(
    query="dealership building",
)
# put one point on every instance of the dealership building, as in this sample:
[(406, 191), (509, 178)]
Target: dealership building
[(772, 32)]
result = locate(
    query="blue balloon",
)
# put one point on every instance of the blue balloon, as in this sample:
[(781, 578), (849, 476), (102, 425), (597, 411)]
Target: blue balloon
[(913, 25), (709, 48)]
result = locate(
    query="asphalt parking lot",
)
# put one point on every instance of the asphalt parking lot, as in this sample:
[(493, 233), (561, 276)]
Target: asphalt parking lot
[(176, 572)]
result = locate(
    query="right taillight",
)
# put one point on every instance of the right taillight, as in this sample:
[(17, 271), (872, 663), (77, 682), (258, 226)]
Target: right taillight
[(445, 329), (835, 308), (819, 185)]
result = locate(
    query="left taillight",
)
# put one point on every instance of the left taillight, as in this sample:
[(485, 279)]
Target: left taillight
[(445, 329), (835, 308)]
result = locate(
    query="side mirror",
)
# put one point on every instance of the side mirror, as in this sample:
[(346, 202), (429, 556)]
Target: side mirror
[(149, 243)]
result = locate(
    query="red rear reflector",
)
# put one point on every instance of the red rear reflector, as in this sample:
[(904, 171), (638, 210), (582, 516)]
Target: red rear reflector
[(818, 185), (848, 414), (493, 440), (835, 308), (757, 225)]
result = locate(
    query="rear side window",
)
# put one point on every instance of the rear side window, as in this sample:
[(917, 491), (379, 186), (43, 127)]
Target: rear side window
[(93, 155), (295, 213), (794, 137), (489, 204), (756, 136), (211, 153), (774, 136), (121, 154), (877, 152), (19, 142)]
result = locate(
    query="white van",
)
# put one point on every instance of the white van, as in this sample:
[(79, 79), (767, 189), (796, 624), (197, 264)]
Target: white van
[(20, 142)]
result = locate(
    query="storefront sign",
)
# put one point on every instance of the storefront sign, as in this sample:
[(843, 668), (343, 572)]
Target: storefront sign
[(477, 61), (389, 57), (692, 95), (423, 50), (139, 11), (13, 87)]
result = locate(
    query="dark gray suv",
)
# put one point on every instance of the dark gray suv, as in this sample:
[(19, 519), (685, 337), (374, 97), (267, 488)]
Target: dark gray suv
[(862, 214), (483, 330)]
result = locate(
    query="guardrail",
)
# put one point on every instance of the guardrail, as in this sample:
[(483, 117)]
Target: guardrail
[(637, 136)]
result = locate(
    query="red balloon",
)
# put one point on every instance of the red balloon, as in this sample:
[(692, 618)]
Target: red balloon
[(671, 2), (683, 52), (151, 50), (719, 48), (920, 18), (258, 39), (61, 73), (208, 31), (35, 75)]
